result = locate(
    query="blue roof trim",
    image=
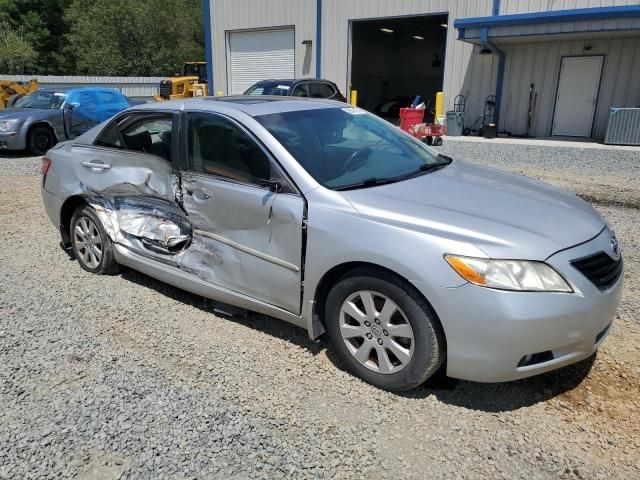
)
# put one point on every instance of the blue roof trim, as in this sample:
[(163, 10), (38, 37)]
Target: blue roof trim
[(555, 16), (208, 44), (318, 37)]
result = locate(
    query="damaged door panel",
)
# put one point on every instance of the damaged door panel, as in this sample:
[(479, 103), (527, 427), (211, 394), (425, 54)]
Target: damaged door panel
[(153, 227), (255, 234), (115, 173)]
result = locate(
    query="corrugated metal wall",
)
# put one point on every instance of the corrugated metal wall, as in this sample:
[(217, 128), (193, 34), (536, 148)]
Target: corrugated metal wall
[(466, 71), (508, 7), (539, 63), (135, 87), (336, 15), (228, 15)]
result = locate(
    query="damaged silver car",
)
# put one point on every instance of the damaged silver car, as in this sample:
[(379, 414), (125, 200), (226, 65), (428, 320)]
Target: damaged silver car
[(327, 217)]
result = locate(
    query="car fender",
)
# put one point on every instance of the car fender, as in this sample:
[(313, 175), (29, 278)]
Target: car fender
[(338, 235)]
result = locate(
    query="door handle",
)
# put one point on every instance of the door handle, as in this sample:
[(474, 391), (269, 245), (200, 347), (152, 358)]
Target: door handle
[(95, 165)]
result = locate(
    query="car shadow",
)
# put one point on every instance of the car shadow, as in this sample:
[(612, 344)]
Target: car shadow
[(15, 154), (264, 323), (485, 397)]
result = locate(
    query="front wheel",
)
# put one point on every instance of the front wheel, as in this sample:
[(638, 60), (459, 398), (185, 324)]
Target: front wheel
[(39, 140), (383, 330)]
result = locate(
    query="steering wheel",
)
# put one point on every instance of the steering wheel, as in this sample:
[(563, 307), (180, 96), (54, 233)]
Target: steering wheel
[(356, 159)]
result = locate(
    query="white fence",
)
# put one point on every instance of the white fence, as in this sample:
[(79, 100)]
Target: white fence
[(135, 87)]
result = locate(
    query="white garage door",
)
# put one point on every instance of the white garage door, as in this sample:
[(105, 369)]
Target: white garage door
[(259, 55)]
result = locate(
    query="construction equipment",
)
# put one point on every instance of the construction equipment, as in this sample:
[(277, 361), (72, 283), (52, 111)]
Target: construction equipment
[(192, 83), (10, 91)]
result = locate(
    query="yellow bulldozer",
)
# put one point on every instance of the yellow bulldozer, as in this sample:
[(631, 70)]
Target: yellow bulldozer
[(10, 91), (192, 83)]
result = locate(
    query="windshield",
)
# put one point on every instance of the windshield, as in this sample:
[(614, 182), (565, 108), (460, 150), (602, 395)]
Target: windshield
[(344, 148), (270, 88), (46, 100)]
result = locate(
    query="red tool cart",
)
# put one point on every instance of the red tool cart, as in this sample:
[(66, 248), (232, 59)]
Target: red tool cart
[(412, 122)]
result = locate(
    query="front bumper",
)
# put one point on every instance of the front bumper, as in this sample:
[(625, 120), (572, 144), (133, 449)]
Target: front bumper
[(11, 141), (492, 334)]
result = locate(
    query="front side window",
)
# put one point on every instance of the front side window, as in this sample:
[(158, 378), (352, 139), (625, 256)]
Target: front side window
[(146, 134), (42, 99), (345, 148), (300, 91), (219, 147), (320, 90)]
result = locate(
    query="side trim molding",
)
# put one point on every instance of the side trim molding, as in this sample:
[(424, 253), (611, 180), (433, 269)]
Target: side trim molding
[(248, 250)]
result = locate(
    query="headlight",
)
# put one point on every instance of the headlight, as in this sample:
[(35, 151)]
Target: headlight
[(5, 126), (519, 275)]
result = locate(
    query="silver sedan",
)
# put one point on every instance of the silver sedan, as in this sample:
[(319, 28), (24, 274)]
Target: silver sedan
[(327, 217)]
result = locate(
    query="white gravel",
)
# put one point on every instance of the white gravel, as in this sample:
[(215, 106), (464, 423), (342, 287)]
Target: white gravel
[(125, 377)]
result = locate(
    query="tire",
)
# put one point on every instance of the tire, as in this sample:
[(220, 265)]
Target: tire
[(437, 142), (40, 139), (419, 356), (91, 245)]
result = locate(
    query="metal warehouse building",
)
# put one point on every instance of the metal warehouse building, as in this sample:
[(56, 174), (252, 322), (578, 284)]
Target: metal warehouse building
[(556, 67)]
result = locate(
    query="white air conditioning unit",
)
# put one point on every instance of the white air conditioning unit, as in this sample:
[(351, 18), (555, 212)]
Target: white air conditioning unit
[(623, 127)]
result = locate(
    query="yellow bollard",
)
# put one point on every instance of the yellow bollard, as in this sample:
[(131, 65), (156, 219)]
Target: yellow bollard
[(354, 98), (439, 106)]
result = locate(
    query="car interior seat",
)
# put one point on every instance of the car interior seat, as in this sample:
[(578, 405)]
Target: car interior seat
[(140, 142)]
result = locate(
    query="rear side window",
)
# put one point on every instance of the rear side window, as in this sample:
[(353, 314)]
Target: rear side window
[(219, 147), (146, 134), (321, 90)]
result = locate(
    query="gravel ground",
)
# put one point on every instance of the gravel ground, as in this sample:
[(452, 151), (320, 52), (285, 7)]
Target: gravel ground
[(124, 377), (608, 176)]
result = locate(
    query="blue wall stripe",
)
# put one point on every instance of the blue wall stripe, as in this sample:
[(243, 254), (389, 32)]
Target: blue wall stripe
[(208, 44), (554, 16), (318, 38)]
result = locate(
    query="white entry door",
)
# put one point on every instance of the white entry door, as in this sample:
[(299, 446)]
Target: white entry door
[(577, 96), (256, 55)]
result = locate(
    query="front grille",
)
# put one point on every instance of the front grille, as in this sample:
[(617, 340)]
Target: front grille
[(165, 88), (600, 268)]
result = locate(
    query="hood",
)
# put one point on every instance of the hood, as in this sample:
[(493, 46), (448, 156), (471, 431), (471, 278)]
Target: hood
[(505, 215), (24, 113)]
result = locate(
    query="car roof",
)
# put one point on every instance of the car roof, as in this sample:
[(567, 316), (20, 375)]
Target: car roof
[(291, 80), (77, 89), (251, 105)]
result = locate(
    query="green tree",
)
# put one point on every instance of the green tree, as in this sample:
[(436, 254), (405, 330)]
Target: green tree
[(42, 25), (16, 54), (136, 38)]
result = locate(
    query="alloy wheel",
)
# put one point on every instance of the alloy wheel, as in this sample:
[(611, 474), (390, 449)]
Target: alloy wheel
[(376, 332), (87, 242)]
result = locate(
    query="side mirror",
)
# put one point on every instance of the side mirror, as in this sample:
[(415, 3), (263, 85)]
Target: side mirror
[(274, 185)]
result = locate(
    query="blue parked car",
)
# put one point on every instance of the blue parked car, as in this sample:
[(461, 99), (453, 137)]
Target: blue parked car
[(38, 121)]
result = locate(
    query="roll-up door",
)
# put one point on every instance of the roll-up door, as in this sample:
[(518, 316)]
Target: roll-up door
[(259, 55)]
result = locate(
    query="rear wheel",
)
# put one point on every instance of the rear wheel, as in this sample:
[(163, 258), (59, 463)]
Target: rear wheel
[(90, 243), (40, 139), (383, 330)]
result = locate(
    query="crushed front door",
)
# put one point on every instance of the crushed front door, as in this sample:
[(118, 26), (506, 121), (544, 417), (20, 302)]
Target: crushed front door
[(252, 233)]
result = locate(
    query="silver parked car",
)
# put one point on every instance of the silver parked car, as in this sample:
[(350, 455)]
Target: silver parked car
[(329, 218)]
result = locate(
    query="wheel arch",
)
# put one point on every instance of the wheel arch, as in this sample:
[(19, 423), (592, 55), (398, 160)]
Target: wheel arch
[(334, 274), (42, 123), (66, 212)]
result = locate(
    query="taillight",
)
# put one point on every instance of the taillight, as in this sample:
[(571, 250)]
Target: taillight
[(46, 164)]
